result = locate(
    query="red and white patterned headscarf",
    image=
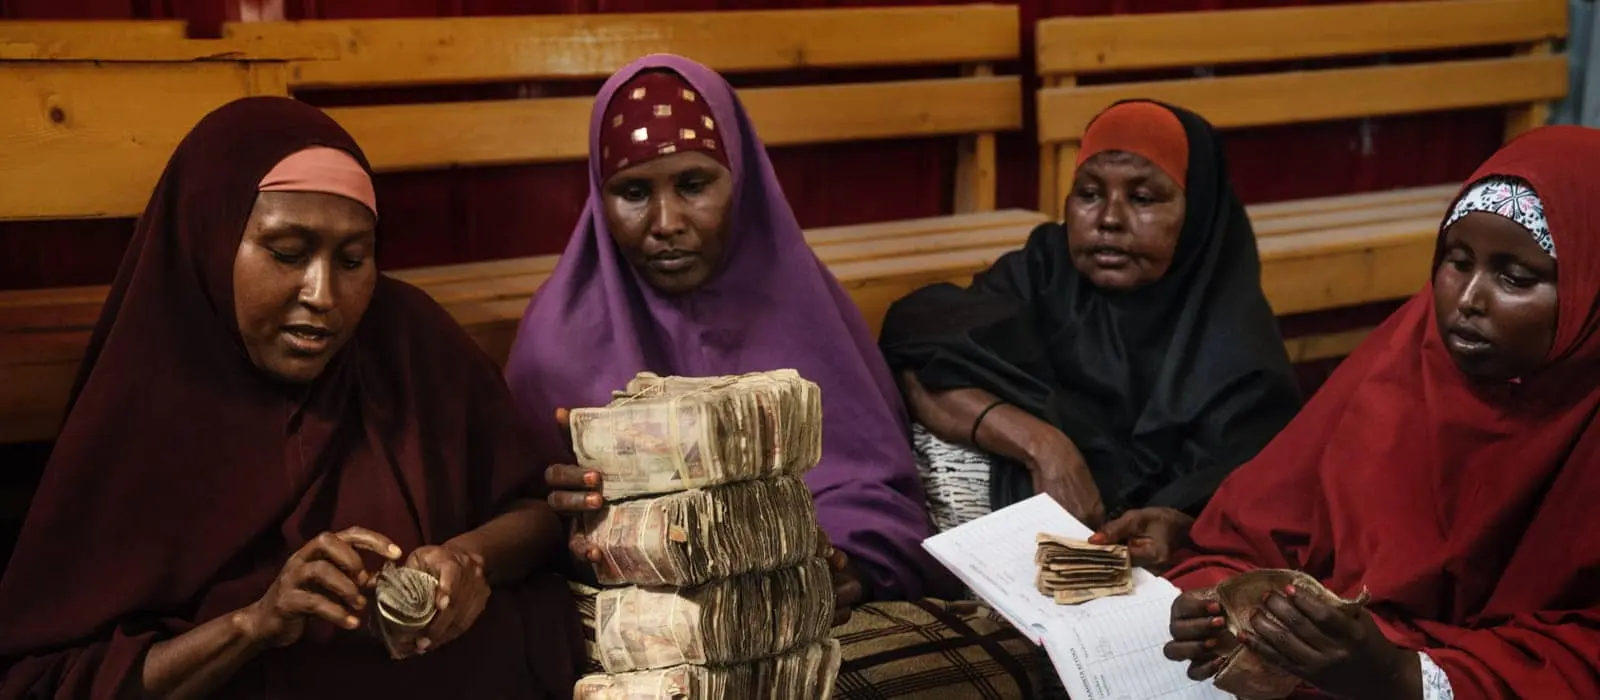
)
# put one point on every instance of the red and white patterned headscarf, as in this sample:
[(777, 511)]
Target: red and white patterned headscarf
[(1511, 198), (656, 114)]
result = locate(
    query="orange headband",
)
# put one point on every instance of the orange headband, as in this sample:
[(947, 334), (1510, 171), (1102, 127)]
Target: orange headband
[(322, 169), (1143, 128)]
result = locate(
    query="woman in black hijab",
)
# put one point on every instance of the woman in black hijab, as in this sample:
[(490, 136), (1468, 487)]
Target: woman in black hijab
[(1124, 362)]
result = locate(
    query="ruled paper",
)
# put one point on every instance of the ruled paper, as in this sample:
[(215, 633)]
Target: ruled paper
[(1107, 649)]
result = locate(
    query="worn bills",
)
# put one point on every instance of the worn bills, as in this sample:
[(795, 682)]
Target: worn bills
[(689, 538), (1243, 673), (724, 622), (1073, 571), (807, 673), (405, 606), (669, 434)]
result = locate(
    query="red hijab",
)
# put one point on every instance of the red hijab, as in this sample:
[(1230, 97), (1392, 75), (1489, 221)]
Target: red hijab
[(1470, 512), (183, 477)]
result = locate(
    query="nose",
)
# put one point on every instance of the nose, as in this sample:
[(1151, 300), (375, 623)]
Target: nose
[(1113, 213), (1474, 297), (668, 218), (316, 288)]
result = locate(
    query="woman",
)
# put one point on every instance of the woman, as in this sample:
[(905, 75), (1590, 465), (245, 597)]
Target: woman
[(1447, 468), (688, 261), (260, 421), (1122, 359)]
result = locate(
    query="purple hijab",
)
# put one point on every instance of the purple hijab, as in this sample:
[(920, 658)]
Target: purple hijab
[(595, 323)]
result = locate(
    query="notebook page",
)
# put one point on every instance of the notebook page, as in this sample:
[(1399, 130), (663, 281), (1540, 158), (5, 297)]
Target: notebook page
[(1106, 649)]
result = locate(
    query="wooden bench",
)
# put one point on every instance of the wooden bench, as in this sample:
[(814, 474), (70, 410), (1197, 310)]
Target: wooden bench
[(130, 91), (1340, 251)]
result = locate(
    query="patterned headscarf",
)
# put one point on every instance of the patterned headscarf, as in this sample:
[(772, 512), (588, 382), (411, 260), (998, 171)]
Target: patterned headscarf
[(656, 114), (1509, 197)]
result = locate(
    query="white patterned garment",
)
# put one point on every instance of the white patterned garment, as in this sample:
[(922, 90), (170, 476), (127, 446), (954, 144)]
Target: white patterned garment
[(955, 477), (1511, 198), (1435, 684)]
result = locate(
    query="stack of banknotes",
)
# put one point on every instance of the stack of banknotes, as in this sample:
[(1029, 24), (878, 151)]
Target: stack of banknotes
[(1073, 571), (807, 673), (668, 434), (713, 536), (725, 622)]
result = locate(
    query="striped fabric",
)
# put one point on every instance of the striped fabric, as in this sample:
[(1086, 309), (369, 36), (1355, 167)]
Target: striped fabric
[(955, 477), (923, 650)]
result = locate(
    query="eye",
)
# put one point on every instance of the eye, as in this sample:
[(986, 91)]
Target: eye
[(633, 191), (1087, 193), (353, 263), (1517, 277), (1457, 259), (287, 257), (693, 184), (1142, 197)]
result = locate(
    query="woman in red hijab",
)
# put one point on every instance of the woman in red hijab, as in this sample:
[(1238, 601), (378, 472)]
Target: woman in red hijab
[(1450, 468), (260, 421)]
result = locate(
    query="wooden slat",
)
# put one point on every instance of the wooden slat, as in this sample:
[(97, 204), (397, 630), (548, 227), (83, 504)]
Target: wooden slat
[(1326, 346), (819, 238), (1081, 45), (74, 144), (412, 137), (136, 40), (1441, 195), (474, 49), (1324, 270), (1309, 96)]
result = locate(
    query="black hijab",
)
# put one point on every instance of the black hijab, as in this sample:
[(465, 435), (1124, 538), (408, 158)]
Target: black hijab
[(1165, 389)]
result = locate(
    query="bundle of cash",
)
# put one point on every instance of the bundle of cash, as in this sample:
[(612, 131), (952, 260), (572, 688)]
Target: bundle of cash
[(1243, 673), (668, 434), (689, 538), (405, 606), (808, 673), (1073, 571), (721, 623)]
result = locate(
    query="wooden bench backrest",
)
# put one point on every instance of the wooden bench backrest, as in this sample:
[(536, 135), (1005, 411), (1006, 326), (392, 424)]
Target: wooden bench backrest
[(91, 111), (406, 52), (1070, 47)]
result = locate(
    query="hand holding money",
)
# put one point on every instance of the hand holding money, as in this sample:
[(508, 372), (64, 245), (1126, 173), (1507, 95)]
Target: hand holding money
[(573, 489), (1151, 534), (458, 598), (848, 588)]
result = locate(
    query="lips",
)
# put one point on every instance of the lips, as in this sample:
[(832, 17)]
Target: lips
[(1106, 256), (308, 339), (672, 261), (1467, 341)]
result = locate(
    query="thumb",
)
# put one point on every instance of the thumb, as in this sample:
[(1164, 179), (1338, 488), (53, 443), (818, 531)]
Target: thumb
[(564, 418), (1124, 528)]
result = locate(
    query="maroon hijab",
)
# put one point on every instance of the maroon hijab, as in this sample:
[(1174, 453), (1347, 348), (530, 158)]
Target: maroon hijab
[(184, 477), (1468, 511)]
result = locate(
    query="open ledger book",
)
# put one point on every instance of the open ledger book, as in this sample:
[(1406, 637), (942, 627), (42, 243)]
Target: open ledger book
[(1106, 649)]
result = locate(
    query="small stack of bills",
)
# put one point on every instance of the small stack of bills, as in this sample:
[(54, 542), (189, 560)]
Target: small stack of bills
[(1073, 571), (710, 527), (804, 674), (1243, 673)]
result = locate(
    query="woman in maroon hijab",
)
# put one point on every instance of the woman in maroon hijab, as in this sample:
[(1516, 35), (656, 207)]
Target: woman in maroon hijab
[(262, 419), (1450, 469)]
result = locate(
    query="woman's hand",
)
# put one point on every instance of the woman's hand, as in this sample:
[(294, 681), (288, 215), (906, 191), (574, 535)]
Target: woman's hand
[(1340, 653), (1199, 632), (1151, 534), (574, 491), (848, 590), (1059, 469), (463, 592), (323, 579)]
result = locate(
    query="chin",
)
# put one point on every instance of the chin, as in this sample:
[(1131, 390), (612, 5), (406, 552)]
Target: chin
[(295, 370)]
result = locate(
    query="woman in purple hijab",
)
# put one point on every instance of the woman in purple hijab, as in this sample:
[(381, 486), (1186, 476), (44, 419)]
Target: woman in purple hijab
[(688, 261)]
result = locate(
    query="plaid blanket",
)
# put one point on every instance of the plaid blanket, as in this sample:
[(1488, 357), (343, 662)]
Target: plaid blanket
[(921, 650)]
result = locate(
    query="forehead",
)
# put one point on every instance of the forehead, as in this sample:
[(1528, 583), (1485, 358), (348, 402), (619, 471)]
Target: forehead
[(1125, 163), (668, 166), (318, 212), (1489, 233)]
